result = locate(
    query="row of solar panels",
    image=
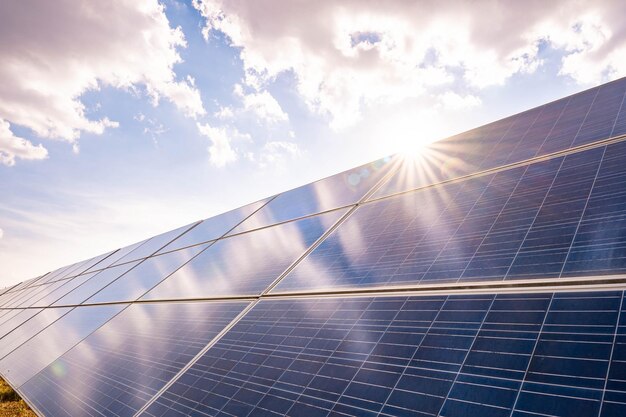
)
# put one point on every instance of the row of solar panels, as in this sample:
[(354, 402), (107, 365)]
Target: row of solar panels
[(563, 217), (79, 361), (75, 342), (456, 355), (568, 123)]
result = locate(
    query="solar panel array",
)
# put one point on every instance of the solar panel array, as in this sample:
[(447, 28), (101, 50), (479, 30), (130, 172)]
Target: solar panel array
[(484, 278)]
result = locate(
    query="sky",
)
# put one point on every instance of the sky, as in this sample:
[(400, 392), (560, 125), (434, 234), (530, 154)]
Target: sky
[(122, 119)]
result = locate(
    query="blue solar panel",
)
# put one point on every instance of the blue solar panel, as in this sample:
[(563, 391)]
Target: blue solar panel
[(158, 328), (214, 227), (462, 355), (68, 286), (94, 284), (18, 333), (581, 119), (119, 367), (600, 243), (42, 345), (145, 276), (154, 244), (245, 264), (329, 193), (516, 224)]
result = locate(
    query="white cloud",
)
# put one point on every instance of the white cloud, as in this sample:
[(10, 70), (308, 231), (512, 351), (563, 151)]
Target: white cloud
[(265, 107), (221, 151), (277, 153), (225, 113), (12, 147), (53, 52), (352, 55), (455, 101)]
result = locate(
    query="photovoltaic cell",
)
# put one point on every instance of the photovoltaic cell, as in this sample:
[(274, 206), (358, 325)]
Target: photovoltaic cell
[(614, 400), (94, 284), (43, 348), (462, 355), (245, 264), (13, 319), (154, 244), (214, 227), (145, 276), (119, 367), (68, 286), (336, 191), (581, 119), (462, 213), (600, 244), (19, 335), (526, 222)]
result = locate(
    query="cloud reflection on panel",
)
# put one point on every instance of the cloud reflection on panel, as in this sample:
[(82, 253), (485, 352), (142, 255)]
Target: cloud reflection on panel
[(245, 264), (214, 227), (336, 191), (26, 361), (385, 243), (130, 358)]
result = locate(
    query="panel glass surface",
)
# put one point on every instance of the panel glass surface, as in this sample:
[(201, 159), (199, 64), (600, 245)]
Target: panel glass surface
[(600, 244), (93, 263), (516, 224), (145, 276), (214, 227), (35, 293), (337, 191), (41, 350), (245, 264), (68, 286), (461, 355), (13, 339), (94, 284), (154, 244), (13, 319), (569, 122), (614, 403), (119, 367)]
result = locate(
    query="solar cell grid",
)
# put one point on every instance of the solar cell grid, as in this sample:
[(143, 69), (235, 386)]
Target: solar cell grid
[(154, 244), (584, 118), (245, 264), (462, 355), (63, 331), (214, 227), (339, 190), (119, 367), (67, 287), (522, 355), (516, 224), (19, 335), (94, 284), (145, 276)]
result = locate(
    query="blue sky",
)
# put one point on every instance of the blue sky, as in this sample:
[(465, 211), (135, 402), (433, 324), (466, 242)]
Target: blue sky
[(120, 120)]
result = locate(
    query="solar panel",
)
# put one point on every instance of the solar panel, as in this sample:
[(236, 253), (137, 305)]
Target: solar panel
[(144, 276), (94, 284), (484, 278), (448, 355), (517, 223), (329, 193), (120, 366), (589, 116), (245, 264), (15, 337), (214, 227), (59, 336), (154, 244)]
